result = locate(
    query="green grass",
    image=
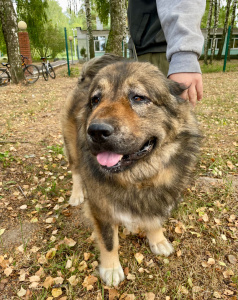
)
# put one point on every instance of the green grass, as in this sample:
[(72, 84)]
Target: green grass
[(217, 66)]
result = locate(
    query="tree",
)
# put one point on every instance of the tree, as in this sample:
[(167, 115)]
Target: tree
[(10, 32), (89, 28), (34, 14), (224, 29), (208, 28), (232, 25), (216, 20), (114, 43)]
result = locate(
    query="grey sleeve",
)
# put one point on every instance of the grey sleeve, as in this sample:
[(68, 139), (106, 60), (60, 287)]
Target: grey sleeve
[(181, 20)]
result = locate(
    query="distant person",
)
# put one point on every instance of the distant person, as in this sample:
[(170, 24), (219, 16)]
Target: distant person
[(167, 33)]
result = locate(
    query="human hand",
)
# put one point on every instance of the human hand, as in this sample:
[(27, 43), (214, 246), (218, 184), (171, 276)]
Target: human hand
[(193, 81)]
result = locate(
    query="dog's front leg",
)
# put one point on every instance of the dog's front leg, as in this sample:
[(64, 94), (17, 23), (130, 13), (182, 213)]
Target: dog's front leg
[(110, 268), (159, 245)]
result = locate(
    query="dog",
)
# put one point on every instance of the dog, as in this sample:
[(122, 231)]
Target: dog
[(132, 143)]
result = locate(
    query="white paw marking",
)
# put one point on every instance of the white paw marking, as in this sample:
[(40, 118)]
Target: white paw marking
[(76, 199), (162, 248), (112, 276)]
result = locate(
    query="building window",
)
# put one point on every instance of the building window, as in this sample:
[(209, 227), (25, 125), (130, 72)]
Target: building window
[(217, 43), (99, 43), (235, 44)]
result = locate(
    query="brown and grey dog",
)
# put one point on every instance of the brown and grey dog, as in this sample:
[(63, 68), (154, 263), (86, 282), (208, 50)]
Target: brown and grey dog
[(132, 144)]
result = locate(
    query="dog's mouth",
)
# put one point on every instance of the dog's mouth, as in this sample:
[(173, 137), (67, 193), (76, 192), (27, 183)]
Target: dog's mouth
[(114, 162)]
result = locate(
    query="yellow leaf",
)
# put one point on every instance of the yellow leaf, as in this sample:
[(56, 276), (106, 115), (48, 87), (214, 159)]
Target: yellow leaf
[(73, 280), (51, 253), (82, 266), (211, 261), (139, 257), (2, 231), (86, 256), (56, 292), (8, 271)]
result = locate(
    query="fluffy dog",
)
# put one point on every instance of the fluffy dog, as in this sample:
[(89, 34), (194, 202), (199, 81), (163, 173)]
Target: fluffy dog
[(132, 144)]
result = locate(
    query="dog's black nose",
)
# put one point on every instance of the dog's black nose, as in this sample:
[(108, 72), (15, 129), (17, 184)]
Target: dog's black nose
[(99, 132)]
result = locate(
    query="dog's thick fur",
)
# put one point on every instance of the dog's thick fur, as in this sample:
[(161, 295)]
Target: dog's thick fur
[(131, 109)]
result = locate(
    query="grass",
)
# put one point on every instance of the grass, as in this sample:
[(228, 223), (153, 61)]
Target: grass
[(39, 167), (217, 66)]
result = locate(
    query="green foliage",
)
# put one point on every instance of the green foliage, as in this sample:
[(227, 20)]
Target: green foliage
[(103, 10), (2, 42), (83, 52)]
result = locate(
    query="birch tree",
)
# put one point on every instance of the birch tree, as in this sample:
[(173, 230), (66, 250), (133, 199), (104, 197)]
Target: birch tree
[(117, 29), (208, 29), (89, 28), (232, 25), (10, 32), (224, 29), (216, 20)]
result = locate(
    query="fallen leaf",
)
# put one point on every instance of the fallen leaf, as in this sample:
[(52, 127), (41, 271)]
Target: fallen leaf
[(8, 271), (131, 276), (180, 228), (217, 295), (73, 280), (23, 207), (182, 289), (50, 220), (34, 278), (149, 296), (230, 165), (179, 253), (205, 218), (34, 249), (112, 294), (34, 285), (89, 282), (228, 292), (139, 257), (69, 242), (211, 261), (68, 264), (126, 271), (20, 248), (196, 289), (2, 231), (228, 273), (223, 237), (127, 297), (56, 292), (51, 253), (48, 282), (82, 266), (86, 256), (21, 293), (232, 259), (58, 280)]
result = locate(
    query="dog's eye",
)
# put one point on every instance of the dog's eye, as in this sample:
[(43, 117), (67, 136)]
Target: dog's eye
[(95, 100), (139, 99)]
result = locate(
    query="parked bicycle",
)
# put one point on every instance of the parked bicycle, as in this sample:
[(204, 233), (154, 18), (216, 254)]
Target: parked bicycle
[(47, 68), (31, 72)]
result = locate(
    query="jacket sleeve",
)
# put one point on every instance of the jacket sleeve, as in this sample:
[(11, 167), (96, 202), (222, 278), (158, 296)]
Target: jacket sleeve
[(181, 21)]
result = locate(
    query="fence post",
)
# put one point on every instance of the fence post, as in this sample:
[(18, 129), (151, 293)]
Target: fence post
[(66, 46), (227, 48)]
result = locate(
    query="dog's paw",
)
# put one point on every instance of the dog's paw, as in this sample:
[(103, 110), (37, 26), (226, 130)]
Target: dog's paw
[(162, 248), (111, 276), (75, 200)]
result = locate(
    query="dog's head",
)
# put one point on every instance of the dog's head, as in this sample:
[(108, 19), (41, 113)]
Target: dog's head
[(133, 110)]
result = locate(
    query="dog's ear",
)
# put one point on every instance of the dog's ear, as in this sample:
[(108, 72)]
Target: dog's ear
[(175, 88), (91, 68)]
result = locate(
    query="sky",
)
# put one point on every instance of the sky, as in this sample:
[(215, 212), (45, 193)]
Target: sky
[(63, 4)]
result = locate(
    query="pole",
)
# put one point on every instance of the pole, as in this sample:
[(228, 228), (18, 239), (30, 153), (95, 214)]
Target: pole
[(71, 52), (66, 46), (227, 48)]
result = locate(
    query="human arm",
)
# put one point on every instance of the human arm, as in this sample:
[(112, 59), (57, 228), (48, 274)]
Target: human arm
[(180, 21)]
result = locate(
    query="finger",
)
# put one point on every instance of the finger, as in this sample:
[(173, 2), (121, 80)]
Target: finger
[(192, 95), (184, 95), (199, 88)]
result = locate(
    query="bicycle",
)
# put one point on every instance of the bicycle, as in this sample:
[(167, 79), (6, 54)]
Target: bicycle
[(31, 73), (47, 68)]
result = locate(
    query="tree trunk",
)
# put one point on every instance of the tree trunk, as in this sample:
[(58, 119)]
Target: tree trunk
[(10, 33), (224, 29), (89, 28), (232, 26), (208, 29), (216, 19), (114, 43)]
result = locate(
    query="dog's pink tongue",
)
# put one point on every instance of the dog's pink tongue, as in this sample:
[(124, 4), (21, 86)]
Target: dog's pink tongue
[(108, 159)]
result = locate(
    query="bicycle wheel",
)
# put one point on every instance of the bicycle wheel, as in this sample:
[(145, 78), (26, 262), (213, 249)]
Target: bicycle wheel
[(51, 72), (31, 73), (4, 77), (44, 72)]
